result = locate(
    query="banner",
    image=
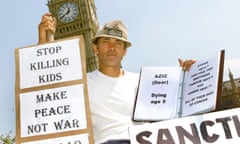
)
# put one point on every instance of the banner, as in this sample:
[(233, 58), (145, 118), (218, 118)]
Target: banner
[(215, 128)]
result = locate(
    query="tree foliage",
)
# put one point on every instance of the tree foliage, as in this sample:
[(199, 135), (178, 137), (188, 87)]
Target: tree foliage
[(7, 139)]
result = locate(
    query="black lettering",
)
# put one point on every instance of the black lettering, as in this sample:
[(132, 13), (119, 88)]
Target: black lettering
[(140, 137), (160, 76), (42, 79), (50, 50), (39, 52), (51, 96), (164, 133), (65, 124), (163, 82), (204, 63), (193, 91), (33, 66), (49, 64), (205, 134), (52, 111), (236, 124), (37, 128), (194, 137), (50, 77), (225, 126), (156, 95)]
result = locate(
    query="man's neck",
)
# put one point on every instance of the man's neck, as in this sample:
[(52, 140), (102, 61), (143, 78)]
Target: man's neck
[(112, 72)]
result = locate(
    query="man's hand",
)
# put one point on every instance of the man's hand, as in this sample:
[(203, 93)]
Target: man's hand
[(186, 65), (47, 24)]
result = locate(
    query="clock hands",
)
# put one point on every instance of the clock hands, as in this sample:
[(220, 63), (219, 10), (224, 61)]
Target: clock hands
[(67, 12)]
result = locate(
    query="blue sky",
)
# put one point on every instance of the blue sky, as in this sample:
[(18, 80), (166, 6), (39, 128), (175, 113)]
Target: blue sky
[(161, 31)]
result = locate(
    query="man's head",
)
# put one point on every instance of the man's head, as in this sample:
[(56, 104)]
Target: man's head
[(114, 29), (110, 45)]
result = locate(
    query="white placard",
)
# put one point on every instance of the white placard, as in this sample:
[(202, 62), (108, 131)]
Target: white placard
[(74, 139), (52, 110), (50, 63)]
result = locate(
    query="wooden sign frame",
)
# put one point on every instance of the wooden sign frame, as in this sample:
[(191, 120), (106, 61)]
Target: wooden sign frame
[(24, 94)]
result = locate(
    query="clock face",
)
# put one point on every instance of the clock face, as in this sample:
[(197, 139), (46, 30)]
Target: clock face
[(67, 12)]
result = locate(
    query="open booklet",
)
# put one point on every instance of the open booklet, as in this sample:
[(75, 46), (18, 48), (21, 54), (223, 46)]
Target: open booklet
[(169, 92)]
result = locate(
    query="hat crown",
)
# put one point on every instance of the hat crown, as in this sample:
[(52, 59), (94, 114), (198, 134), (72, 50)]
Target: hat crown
[(115, 29)]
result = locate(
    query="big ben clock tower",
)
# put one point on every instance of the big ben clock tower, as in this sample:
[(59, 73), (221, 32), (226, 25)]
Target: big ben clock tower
[(76, 17)]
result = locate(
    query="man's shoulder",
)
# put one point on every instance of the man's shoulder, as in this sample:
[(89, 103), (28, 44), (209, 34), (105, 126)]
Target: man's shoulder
[(92, 72), (131, 75)]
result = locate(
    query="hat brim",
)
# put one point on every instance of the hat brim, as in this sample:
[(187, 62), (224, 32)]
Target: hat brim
[(128, 43)]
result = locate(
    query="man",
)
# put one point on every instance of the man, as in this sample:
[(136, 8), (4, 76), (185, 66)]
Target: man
[(111, 89)]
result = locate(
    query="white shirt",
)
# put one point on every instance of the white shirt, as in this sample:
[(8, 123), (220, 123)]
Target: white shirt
[(111, 104)]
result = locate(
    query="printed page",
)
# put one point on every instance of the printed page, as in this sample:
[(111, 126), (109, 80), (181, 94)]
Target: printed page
[(201, 86), (157, 93)]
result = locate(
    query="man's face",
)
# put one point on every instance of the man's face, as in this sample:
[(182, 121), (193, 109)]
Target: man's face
[(110, 51)]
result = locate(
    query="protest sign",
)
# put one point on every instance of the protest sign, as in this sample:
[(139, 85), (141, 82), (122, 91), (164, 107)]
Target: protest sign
[(51, 93)]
